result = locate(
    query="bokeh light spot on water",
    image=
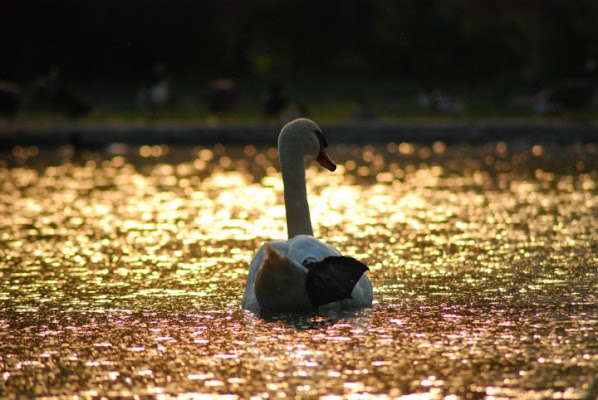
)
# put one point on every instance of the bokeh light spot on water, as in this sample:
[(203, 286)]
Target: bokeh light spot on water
[(121, 276)]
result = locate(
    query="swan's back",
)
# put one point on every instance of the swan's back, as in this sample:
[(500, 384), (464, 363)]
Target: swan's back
[(302, 249)]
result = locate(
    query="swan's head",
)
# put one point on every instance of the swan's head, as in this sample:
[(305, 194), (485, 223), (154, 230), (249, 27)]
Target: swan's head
[(280, 284), (305, 137)]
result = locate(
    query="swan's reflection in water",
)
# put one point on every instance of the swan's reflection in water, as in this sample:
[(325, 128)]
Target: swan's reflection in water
[(121, 276), (319, 320)]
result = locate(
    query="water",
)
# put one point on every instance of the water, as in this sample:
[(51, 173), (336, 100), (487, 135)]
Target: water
[(121, 275)]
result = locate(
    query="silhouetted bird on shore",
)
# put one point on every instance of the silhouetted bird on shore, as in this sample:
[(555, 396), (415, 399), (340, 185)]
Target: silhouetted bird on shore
[(274, 101), (221, 96), (437, 102), (294, 111), (10, 99), (51, 94), (363, 109), (565, 95)]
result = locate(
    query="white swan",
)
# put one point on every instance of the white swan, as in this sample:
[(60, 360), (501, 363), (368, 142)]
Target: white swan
[(303, 274)]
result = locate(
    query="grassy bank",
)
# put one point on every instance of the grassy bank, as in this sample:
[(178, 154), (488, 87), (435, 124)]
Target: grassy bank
[(324, 99)]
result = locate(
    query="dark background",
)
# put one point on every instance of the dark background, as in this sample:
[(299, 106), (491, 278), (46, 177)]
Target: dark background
[(487, 50), (457, 40)]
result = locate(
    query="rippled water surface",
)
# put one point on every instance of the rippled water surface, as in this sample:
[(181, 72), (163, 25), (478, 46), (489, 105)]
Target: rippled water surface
[(121, 275)]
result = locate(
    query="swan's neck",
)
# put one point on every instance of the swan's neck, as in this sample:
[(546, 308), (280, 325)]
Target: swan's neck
[(295, 192)]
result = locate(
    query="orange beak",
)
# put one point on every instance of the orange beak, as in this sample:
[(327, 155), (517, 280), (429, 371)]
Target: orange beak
[(325, 161)]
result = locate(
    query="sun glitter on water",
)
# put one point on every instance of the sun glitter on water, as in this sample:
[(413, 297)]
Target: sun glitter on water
[(121, 276)]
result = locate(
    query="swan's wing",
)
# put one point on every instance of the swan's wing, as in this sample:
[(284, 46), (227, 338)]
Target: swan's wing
[(333, 279), (249, 301)]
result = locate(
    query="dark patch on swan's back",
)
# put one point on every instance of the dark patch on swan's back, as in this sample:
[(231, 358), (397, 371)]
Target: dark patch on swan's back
[(332, 279)]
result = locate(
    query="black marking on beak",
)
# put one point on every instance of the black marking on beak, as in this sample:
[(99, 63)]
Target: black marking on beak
[(321, 139)]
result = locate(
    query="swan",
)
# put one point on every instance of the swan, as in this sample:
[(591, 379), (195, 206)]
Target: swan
[(303, 274)]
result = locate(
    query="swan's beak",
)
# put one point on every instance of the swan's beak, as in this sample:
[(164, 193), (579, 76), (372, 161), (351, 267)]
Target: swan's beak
[(325, 161)]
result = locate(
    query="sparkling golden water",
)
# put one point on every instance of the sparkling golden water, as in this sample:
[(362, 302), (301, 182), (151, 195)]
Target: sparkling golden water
[(121, 273)]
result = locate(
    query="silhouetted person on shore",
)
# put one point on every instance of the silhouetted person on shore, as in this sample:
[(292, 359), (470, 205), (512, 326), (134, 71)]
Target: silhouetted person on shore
[(158, 97)]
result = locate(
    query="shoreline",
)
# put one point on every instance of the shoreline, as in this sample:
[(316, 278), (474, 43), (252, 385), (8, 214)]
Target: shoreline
[(350, 132)]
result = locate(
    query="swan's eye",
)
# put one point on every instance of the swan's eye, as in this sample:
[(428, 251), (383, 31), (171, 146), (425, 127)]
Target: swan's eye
[(321, 139)]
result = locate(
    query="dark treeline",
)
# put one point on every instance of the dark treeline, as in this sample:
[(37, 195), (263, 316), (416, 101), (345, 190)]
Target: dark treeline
[(460, 40)]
